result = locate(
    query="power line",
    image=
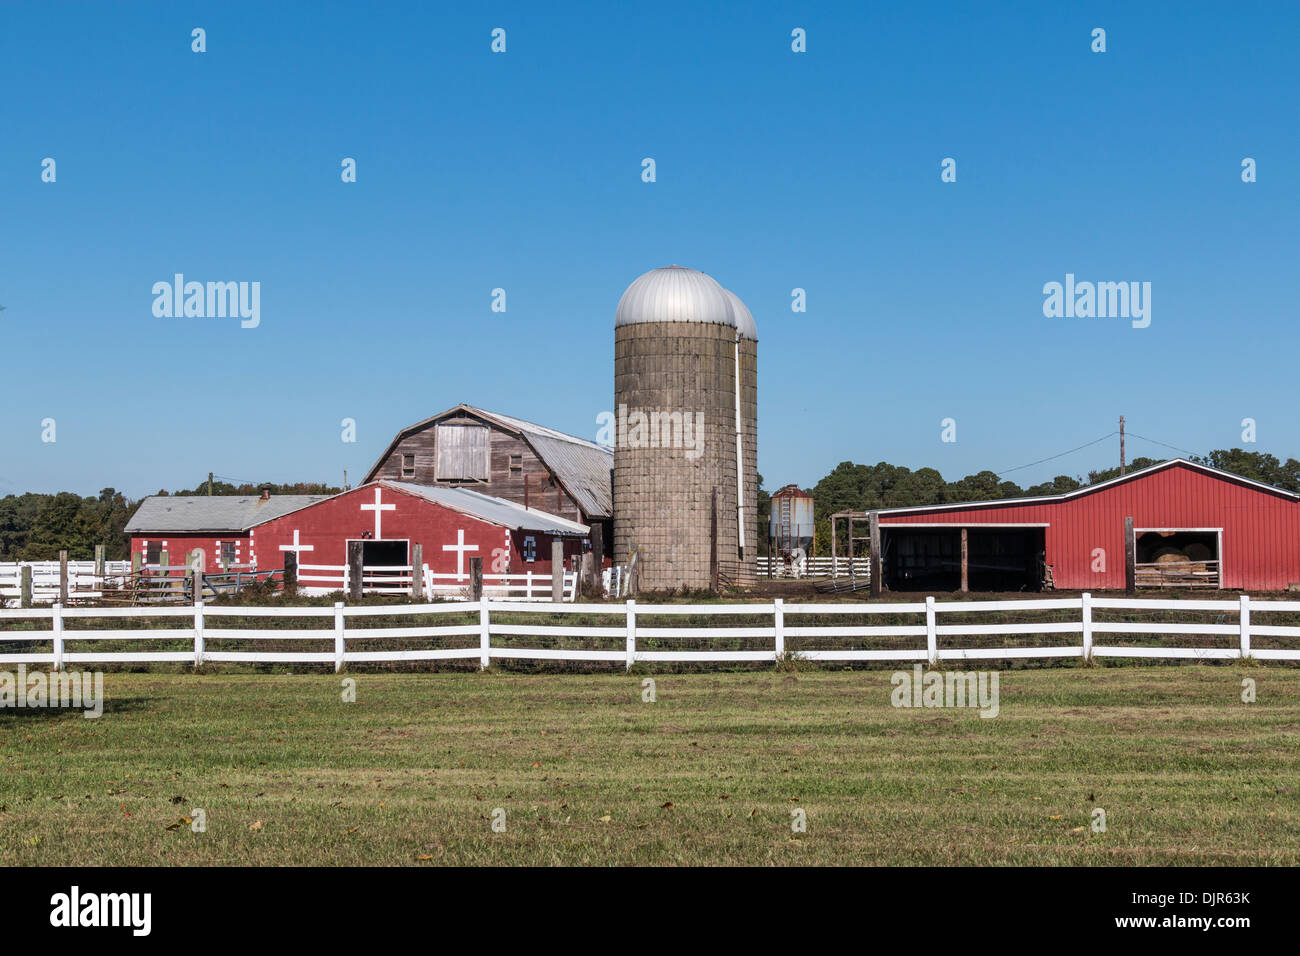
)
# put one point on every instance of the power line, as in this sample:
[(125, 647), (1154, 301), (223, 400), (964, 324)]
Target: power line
[(1165, 444), (1040, 461)]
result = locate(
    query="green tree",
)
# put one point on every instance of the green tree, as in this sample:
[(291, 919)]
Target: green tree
[(1057, 486)]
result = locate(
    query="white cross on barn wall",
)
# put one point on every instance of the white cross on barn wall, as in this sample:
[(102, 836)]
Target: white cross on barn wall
[(378, 508), (460, 547), (296, 547)]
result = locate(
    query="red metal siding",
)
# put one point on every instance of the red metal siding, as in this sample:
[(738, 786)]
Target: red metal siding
[(328, 525), (1261, 529), (178, 545)]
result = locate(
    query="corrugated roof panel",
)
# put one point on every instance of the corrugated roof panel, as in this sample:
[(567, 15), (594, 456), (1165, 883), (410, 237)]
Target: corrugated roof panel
[(212, 512), (584, 470), (496, 510)]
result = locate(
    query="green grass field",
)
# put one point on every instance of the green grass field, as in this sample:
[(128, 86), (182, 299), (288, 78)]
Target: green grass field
[(588, 773)]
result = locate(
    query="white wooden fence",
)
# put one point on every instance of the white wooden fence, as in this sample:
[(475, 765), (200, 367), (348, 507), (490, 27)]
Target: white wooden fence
[(511, 587), (396, 579), (83, 583), (627, 638), (820, 567)]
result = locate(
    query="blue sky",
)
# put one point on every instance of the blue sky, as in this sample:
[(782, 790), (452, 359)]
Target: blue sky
[(522, 170)]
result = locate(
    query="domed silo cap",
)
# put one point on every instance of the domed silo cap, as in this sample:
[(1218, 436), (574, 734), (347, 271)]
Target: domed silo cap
[(675, 294), (744, 319)]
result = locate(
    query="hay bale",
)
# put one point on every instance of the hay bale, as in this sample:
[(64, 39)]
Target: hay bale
[(1171, 556), (1196, 551)]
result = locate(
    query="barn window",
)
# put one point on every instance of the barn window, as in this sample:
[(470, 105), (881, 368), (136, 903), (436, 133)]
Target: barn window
[(153, 554), (530, 549), (516, 464), (462, 453), (408, 466), (227, 553)]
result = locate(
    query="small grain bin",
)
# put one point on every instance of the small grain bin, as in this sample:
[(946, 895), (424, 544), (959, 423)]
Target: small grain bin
[(792, 523)]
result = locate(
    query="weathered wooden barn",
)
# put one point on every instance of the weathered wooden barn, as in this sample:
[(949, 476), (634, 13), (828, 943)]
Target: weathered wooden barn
[(533, 466), (1174, 524)]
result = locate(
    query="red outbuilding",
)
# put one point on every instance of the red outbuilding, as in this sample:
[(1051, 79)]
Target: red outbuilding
[(169, 529), (392, 520), (1175, 524)]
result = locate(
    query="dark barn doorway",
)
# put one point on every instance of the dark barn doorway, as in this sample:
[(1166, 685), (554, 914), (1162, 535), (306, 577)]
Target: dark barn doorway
[(388, 554), (929, 559), (384, 554)]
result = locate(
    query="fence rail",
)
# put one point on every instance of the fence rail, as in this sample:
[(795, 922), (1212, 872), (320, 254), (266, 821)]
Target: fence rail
[(1182, 574), (396, 579), (819, 567), (632, 632), (84, 583)]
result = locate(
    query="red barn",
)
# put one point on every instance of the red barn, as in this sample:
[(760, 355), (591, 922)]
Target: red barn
[(451, 526), (1179, 523)]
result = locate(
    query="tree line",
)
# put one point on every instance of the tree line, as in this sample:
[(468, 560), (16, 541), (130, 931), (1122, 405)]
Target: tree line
[(36, 527)]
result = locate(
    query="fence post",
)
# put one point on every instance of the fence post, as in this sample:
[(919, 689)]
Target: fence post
[(56, 625), (484, 632), (1245, 625), (338, 636), (197, 576), (63, 577), (99, 567), (290, 574), (528, 585), (1085, 606), (417, 575), (557, 571), (476, 580), (198, 634), (1130, 557), (631, 632), (875, 570), (931, 636), (25, 586), (778, 622), (356, 570)]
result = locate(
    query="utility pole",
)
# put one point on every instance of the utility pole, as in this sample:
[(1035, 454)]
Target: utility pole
[(345, 479), (1122, 467), (209, 484)]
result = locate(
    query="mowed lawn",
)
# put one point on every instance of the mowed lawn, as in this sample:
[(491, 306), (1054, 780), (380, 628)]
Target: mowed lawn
[(710, 773)]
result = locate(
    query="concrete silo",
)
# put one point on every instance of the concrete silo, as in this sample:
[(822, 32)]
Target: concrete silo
[(677, 349), (747, 415)]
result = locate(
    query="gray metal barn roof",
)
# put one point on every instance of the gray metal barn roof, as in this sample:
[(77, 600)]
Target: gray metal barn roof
[(164, 513), (496, 510)]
